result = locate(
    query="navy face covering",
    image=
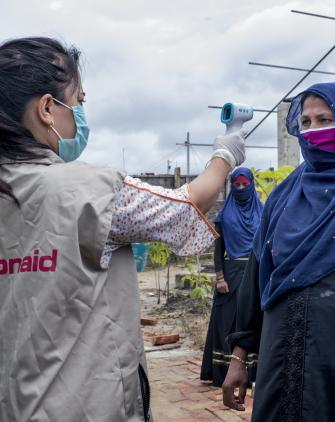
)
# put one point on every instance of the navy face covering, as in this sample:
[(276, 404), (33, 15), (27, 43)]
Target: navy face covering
[(240, 216), (295, 244)]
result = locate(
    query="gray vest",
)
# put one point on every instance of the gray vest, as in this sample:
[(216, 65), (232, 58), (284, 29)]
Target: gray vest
[(70, 339)]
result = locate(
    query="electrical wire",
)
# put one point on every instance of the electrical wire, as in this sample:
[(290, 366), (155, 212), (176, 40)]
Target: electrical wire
[(195, 164), (290, 91), (163, 159), (197, 156)]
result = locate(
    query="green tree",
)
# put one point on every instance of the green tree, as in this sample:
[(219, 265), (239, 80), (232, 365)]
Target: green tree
[(267, 180), (159, 254)]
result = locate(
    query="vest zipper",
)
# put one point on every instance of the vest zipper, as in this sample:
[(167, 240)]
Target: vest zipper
[(145, 390)]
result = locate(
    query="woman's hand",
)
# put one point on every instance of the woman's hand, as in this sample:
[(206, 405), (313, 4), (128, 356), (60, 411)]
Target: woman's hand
[(231, 147), (236, 377), (228, 153), (222, 286)]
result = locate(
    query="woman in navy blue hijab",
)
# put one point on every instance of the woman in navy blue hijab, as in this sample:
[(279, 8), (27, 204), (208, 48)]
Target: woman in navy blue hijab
[(236, 223), (288, 290), (239, 218)]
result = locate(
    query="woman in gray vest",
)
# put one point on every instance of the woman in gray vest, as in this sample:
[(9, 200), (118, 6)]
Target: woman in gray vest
[(70, 342)]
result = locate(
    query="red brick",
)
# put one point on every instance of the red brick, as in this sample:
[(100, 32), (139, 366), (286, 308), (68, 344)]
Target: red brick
[(165, 339), (216, 397), (202, 415), (194, 396), (196, 362), (148, 321)]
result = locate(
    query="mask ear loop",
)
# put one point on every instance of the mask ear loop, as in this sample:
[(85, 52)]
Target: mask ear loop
[(54, 130), (60, 102), (52, 123)]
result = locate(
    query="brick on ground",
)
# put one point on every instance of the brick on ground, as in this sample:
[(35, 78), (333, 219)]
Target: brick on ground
[(203, 415), (165, 339), (145, 321), (227, 416)]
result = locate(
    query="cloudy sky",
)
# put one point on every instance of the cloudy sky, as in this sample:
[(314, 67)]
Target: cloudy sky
[(152, 67)]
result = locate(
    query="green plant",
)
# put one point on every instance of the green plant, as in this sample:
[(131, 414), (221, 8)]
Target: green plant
[(201, 283), (159, 254), (267, 180)]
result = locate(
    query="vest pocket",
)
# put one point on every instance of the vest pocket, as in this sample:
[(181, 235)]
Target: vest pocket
[(145, 390)]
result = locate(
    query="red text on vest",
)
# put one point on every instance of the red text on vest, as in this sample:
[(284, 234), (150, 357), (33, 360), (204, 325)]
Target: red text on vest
[(30, 263)]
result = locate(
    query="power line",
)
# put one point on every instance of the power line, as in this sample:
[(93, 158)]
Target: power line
[(313, 14), (290, 68), (163, 159), (290, 91), (202, 165), (196, 161)]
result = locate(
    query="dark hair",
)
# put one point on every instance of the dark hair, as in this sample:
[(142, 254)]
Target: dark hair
[(30, 68)]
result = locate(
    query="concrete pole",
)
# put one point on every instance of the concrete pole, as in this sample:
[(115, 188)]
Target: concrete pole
[(177, 181), (187, 143), (288, 146)]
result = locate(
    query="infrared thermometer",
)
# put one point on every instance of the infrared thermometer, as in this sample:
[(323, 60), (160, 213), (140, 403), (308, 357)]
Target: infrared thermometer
[(234, 115)]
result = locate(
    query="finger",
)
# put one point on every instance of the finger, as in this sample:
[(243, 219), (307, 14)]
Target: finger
[(241, 393), (230, 402), (227, 395), (243, 132), (229, 399), (239, 406), (238, 403)]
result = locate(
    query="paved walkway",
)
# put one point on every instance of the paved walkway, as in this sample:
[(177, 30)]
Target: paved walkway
[(179, 396)]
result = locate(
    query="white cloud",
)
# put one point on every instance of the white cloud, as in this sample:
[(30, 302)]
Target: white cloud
[(56, 5), (152, 67)]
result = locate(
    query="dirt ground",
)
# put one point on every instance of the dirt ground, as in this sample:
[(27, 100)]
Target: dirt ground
[(180, 315)]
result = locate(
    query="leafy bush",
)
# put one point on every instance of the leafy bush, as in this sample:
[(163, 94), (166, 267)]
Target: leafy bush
[(267, 180), (201, 283)]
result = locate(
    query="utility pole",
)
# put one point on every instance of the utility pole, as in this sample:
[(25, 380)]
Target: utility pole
[(124, 160), (177, 182), (169, 162), (288, 146), (188, 145)]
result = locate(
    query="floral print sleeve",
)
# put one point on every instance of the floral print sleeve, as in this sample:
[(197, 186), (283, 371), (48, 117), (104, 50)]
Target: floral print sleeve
[(146, 213)]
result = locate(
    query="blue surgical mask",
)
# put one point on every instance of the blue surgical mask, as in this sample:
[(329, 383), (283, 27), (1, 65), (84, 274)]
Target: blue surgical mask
[(70, 149)]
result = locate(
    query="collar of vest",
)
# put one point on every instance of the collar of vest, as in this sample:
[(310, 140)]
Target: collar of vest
[(49, 158)]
